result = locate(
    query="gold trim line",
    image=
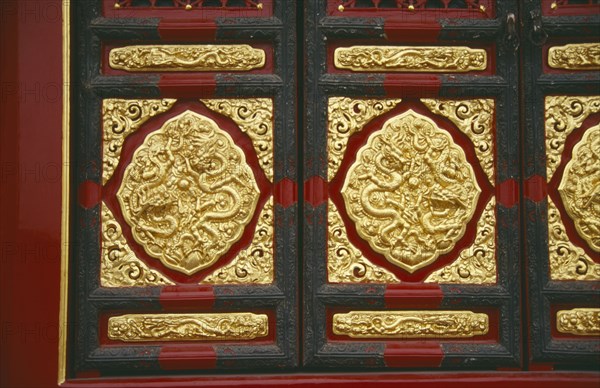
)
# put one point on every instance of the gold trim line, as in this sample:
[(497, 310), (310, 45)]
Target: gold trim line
[(206, 57), (410, 324), (437, 59), (64, 232), (188, 327)]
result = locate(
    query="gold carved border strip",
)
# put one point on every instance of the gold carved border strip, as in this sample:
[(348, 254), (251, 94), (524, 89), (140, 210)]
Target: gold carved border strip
[(567, 261), (254, 116), (236, 57), (120, 267), (345, 262), (477, 263), (410, 324), (563, 114), (255, 264), (120, 118), (347, 116), (579, 321), (451, 59), (575, 56), (474, 118), (188, 327)]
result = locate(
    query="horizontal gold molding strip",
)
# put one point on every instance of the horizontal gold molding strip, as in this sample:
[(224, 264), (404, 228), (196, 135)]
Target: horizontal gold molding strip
[(579, 56), (410, 324), (207, 57), (188, 327), (440, 59), (579, 321)]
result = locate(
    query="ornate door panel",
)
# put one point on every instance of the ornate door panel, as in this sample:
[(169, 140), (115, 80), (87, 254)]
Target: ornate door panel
[(562, 181), (411, 232), (183, 209)]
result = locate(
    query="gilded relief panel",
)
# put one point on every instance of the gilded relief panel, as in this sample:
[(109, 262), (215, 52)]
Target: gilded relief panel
[(573, 175), (187, 195), (410, 192)]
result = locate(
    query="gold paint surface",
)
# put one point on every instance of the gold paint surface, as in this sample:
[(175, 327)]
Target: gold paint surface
[(451, 59), (410, 324), (477, 263), (567, 261), (206, 57), (411, 191), (575, 56), (120, 118), (188, 193), (580, 187), (254, 116), (120, 267), (474, 118), (188, 327), (563, 115), (347, 116), (345, 262), (63, 316), (253, 265), (579, 321)]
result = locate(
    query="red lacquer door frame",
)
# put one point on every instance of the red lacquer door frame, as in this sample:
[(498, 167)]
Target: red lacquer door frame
[(30, 206)]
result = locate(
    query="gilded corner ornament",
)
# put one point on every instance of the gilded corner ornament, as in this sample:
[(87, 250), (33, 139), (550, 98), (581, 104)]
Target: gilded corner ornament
[(575, 56), (254, 116), (188, 327), (345, 262), (206, 57), (563, 114), (580, 187), (477, 263), (188, 193), (347, 116), (120, 118), (474, 118), (451, 59), (579, 321), (567, 261), (253, 265), (119, 266), (411, 191), (410, 324)]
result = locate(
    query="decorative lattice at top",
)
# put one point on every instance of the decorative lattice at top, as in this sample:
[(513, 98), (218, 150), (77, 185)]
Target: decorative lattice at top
[(188, 4), (411, 5)]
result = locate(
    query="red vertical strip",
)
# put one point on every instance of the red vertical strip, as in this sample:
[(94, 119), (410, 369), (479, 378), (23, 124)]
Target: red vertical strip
[(419, 295), (413, 355), (187, 357), (187, 30)]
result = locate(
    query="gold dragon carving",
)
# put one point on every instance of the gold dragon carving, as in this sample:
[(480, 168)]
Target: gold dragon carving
[(188, 327), (345, 262), (567, 261), (254, 116), (475, 119), (410, 58), (120, 267), (410, 324), (563, 115), (188, 193), (477, 263), (575, 56), (347, 116), (237, 57), (411, 191), (580, 187), (253, 265), (120, 119), (579, 321)]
